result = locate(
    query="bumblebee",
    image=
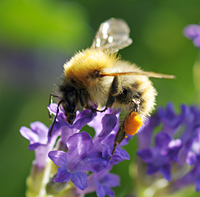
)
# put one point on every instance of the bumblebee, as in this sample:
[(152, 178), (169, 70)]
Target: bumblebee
[(97, 76)]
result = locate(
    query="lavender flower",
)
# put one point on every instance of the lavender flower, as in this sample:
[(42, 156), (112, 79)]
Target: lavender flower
[(80, 158), (177, 145), (193, 32), (63, 128), (105, 135), (38, 137), (102, 183), (77, 153), (160, 157)]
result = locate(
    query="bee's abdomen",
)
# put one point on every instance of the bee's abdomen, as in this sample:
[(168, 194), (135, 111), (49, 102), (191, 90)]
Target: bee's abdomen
[(138, 96), (127, 95)]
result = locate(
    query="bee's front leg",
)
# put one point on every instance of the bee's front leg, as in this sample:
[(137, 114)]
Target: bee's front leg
[(113, 92), (50, 102), (84, 101)]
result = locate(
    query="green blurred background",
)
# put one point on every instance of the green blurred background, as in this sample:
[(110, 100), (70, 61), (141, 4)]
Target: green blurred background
[(36, 38)]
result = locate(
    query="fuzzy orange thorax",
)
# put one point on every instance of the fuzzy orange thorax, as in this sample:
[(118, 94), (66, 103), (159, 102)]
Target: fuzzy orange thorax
[(83, 63)]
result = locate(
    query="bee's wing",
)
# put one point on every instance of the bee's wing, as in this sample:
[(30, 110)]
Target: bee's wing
[(142, 73), (113, 35)]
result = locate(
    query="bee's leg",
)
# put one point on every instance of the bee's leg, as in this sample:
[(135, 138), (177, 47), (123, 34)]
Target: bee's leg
[(121, 134), (84, 101), (83, 98), (136, 103), (113, 92), (50, 101), (54, 120)]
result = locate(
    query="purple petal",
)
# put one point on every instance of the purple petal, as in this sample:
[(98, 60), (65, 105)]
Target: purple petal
[(146, 155), (175, 143), (186, 113), (174, 148), (109, 122), (34, 146), (62, 176), (191, 31), (67, 132), (191, 158), (170, 119), (37, 135), (195, 114), (102, 183), (166, 172), (151, 169), (41, 130), (100, 190), (196, 41), (52, 108), (109, 192), (41, 155), (79, 144), (93, 162), (96, 123), (197, 183), (59, 158), (83, 118), (182, 155), (106, 145), (79, 179), (28, 134), (110, 180), (147, 129), (119, 156), (162, 140)]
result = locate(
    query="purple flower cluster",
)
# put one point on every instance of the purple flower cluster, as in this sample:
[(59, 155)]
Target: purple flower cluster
[(38, 137), (177, 145), (193, 32), (77, 153)]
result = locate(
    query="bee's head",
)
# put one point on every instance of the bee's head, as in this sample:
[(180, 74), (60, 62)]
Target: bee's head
[(69, 102)]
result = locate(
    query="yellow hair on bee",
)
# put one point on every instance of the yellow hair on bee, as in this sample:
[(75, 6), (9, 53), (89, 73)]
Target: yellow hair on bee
[(84, 63), (96, 76)]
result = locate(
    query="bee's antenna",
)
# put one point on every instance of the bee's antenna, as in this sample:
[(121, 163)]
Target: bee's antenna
[(54, 120)]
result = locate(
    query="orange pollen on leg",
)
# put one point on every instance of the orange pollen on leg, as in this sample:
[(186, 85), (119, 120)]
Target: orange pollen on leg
[(133, 123)]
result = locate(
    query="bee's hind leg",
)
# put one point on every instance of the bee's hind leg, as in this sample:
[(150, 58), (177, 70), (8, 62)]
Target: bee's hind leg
[(121, 134), (136, 103)]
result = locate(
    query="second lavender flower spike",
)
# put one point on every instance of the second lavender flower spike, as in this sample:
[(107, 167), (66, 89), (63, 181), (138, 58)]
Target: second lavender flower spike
[(175, 147)]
